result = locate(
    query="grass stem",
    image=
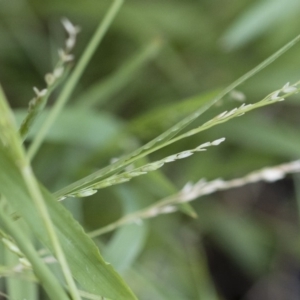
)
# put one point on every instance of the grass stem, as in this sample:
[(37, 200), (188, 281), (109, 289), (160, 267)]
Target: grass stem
[(75, 76)]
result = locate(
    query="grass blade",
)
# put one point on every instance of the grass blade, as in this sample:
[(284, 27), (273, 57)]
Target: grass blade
[(12, 144), (166, 136), (18, 185), (87, 266), (272, 98)]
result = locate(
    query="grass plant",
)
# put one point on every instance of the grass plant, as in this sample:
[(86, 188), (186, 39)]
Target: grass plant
[(59, 239)]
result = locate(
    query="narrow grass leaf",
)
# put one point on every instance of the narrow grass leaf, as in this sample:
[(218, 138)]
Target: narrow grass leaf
[(128, 175)]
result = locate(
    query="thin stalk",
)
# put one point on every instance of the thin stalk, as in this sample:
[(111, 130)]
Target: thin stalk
[(75, 76), (37, 196), (201, 188)]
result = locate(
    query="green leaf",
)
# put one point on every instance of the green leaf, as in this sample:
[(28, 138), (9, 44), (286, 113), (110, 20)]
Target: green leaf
[(85, 261)]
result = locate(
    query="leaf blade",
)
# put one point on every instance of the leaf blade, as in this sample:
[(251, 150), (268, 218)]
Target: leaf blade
[(83, 256)]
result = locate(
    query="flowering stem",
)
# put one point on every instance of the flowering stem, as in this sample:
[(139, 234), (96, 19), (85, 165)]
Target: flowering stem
[(164, 139), (192, 192), (75, 76)]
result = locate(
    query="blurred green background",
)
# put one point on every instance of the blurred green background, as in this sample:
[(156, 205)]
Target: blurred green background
[(159, 62)]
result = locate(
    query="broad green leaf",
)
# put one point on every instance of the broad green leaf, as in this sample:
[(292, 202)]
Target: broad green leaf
[(85, 261)]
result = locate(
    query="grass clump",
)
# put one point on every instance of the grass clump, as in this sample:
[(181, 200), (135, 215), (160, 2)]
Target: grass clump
[(32, 215)]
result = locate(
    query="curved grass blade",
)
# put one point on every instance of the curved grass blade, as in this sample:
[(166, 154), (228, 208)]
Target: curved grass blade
[(152, 166), (272, 98), (166, 136)]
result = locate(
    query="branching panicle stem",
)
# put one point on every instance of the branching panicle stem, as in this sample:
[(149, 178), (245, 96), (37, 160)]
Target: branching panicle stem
[(192, 192)]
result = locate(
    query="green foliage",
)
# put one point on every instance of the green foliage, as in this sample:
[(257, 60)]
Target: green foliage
[(115, 114)]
